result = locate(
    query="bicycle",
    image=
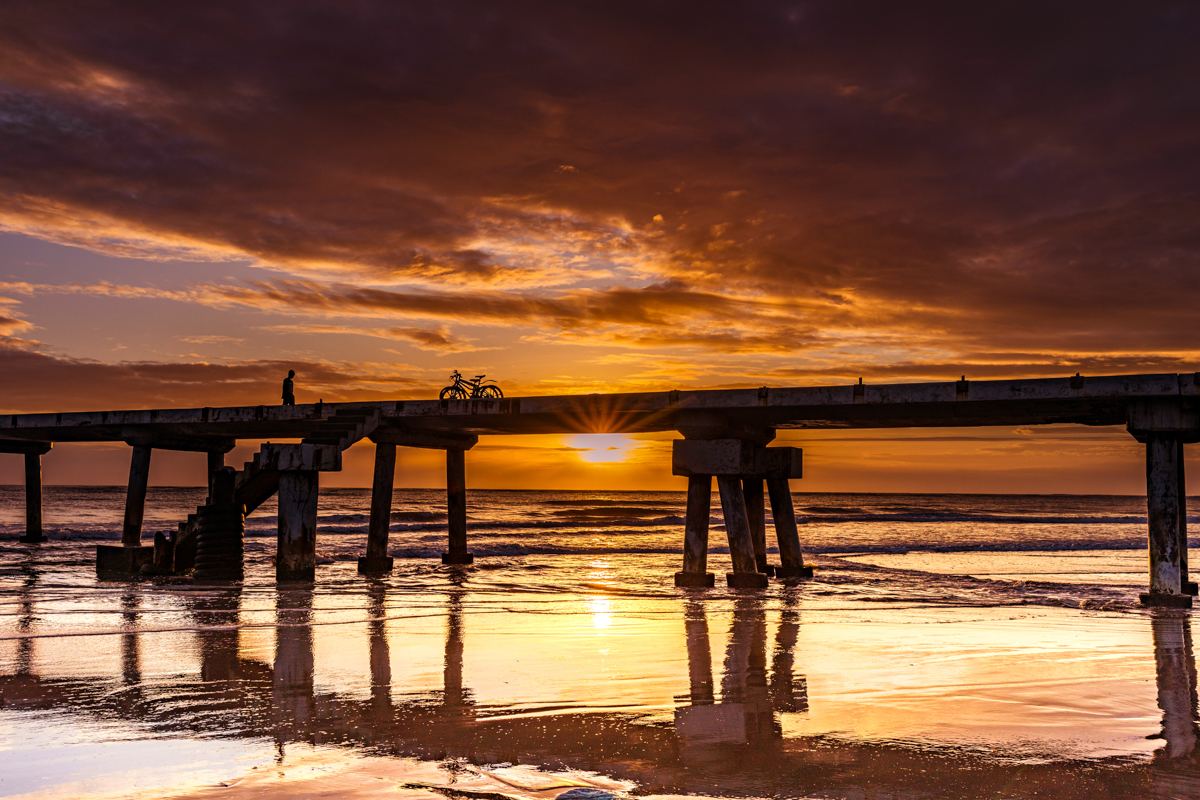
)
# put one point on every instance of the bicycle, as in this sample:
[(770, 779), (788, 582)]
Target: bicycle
[(478, 389)]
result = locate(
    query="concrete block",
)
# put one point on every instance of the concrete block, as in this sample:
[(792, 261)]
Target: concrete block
[(780, 462), (746, 580), (36, 538), (786, 573), (116, 561), (695, 580), (1160, 600), (301, 457), (375, 565), (712, 457), (734, 457), (458, 558), (1163, 416)]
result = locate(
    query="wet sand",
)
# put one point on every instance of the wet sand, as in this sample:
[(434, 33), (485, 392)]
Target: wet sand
[(443, 686)]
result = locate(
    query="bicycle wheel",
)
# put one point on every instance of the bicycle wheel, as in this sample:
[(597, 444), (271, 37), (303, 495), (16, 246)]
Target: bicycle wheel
[(453, 393), (491, 392)]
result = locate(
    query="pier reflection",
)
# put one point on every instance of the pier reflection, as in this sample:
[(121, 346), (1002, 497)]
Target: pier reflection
[(1177, 765), (725, 737), (750, 697)]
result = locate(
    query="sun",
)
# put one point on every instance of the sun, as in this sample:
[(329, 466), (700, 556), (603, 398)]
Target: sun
[(602, 448)]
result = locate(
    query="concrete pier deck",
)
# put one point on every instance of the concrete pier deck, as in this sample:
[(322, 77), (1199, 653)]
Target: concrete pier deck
[(1082, 400)]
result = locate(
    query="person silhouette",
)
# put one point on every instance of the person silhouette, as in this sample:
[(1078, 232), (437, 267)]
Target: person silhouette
[(289, 389)]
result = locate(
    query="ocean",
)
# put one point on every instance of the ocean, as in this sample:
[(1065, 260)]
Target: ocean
[(948, 646)]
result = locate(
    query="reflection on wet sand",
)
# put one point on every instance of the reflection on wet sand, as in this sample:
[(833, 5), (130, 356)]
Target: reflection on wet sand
[(1177, 764), (725, 737), (749, 701)]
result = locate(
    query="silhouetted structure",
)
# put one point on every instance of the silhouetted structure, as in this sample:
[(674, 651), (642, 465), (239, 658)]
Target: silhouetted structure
[(289, 389), (725, 436)]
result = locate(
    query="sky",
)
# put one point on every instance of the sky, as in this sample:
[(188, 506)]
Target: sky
[(590, 197)]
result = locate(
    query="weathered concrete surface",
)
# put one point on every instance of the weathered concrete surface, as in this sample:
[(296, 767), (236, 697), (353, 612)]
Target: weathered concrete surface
[(306, 457), (1162, 501), (1085, 400), (376, 560), (135, 497), (117, 562), (695, 535), (456, 508), (33, 500), (737, 457), (791, 559), (297, 553), (745, 573)]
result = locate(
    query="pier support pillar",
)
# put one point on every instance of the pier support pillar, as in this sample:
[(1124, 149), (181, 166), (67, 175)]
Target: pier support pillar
[(1163, 491), (1186, 584), (756, 515), (740, 466), (695, 572), (1164, 425), (33, 499), (456, 507), (297, 557), (745, 573), (377, 561), (216, 461), (131, 556), (791, 559), (135, 497)]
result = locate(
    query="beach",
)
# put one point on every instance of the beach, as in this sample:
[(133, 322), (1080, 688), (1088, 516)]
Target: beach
[(948, 646)]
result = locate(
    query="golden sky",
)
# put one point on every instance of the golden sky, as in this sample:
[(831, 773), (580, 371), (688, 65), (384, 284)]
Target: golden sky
[(626, 196)]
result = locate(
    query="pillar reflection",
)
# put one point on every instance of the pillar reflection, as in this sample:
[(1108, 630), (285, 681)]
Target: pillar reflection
[(131, 673), (292, 684), (27, 618), (454, 696), (1176, 674), (1176, 768), (381, 656), (750, 697)]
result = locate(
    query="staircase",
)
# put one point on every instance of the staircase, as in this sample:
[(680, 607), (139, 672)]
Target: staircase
[(258, 480)]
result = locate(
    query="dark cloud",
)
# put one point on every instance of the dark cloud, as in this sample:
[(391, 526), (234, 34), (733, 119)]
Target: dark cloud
[(987, 178), (40, 381)]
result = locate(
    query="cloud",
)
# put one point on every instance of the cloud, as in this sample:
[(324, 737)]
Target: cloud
[(877, 189), (439, 340)]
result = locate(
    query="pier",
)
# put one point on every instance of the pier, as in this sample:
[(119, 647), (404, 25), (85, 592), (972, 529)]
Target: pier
[(725, 435)]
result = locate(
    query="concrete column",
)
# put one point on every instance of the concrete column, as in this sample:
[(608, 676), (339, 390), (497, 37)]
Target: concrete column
[(1186, 584), (1162, 502), (456, 507), (297, 557), (745, 573), (752, 491), (128, 559), (695, 534), (135, 497), (791, 559), (377, 560), (33, 499), (215, 462)]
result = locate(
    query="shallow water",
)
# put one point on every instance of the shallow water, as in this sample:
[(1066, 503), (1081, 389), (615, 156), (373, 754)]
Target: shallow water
[(944, 649)]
